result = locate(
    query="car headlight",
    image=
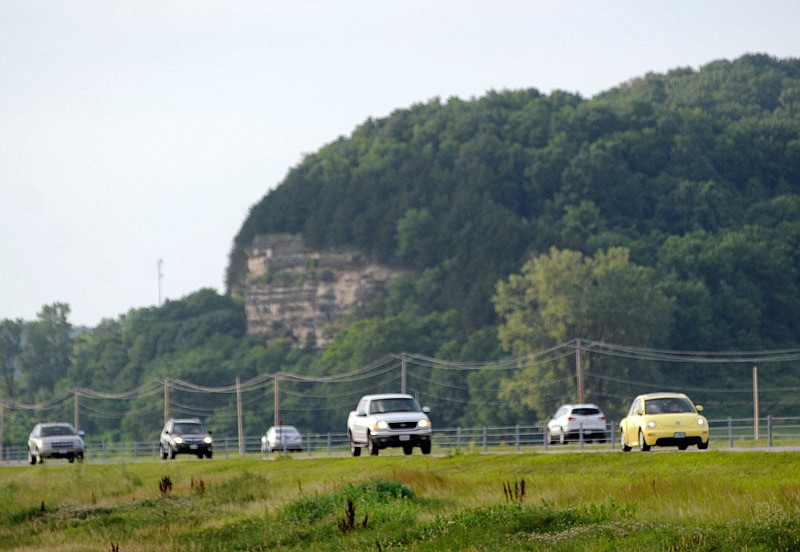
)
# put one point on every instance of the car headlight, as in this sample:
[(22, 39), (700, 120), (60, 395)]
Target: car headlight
[(207, 440), (263, 438), (701, 421), (423, 423), (380, 425), (179, 440), (651, 424)]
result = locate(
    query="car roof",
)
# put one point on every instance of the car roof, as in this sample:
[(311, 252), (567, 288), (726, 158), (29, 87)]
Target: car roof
[(185, 420), (663, 395), (581, 405), (54, 424), (388, 396)]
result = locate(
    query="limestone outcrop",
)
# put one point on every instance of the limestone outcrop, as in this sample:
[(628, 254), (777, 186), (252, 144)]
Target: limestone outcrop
[(292, 291)]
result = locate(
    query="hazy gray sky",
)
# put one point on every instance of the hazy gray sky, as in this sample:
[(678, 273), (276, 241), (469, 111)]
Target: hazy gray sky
[(139, 130)]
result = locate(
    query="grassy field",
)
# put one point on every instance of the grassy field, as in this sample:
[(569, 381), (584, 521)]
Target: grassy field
[(662, 500)]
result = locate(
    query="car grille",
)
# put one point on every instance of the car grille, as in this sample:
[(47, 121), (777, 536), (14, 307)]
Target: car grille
[(62, 444), (403, 425), (192, 441)]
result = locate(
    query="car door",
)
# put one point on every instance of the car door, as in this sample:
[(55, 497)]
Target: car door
[(360, 422), (631, 426)]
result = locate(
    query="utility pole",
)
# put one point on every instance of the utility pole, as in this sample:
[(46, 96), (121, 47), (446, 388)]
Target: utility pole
[(166, 400), (579, 370), (2, 428), (755, 403), (160, 276), (277, 416), (239, 416), (75, 418), (403, 373)]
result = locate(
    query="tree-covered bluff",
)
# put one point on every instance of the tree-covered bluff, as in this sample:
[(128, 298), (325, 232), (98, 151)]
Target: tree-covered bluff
[(695, 172)]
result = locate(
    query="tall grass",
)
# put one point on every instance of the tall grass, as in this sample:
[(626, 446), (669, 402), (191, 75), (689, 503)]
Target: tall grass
[(663, 500)]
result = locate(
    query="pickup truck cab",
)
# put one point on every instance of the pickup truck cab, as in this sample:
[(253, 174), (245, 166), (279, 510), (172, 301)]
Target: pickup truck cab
[(389, 420)]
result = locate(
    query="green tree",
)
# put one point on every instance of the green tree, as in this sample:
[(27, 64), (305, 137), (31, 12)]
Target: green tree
[(564, 295), (47, 348), (11, 332)]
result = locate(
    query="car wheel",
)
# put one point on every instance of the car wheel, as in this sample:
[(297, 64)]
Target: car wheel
[(425, 447), (79, 457), (373, 446), (408, 450), (643, 446), (355, 450), (171, 452), (200, 455), (562, 437), (702, 446), (622, 444), (31, 458), (163, 452), (683, 447), (548, 435), (71, 459)]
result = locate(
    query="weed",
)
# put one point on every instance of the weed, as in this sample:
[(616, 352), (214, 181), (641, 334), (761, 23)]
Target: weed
[(348, 523), (165, 486), (197, 486), (515, 494)]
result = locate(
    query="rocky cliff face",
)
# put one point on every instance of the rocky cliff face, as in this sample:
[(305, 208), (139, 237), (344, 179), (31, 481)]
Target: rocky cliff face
[(292, 291)]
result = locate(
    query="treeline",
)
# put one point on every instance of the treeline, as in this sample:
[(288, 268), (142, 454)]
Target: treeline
[(662, 213)]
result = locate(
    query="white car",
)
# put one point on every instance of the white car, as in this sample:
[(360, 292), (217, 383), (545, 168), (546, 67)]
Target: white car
[(282, 438), (389, 420), (54, 440), (571, 419)]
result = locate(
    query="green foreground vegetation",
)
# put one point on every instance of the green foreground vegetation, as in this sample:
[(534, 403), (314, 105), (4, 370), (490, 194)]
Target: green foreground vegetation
[(663, 500)]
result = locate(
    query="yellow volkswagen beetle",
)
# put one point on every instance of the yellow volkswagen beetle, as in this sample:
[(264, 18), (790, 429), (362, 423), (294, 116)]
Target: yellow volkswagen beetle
[(663, 420)]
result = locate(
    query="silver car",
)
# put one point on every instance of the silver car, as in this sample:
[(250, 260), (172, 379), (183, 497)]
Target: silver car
[(54, 440), (282, 438), (571, 419)]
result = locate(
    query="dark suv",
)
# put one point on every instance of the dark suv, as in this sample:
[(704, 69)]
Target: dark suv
[(185, 436)]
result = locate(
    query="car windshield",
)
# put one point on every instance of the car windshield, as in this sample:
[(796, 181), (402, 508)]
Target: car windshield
[(188, 429), (585, 411), (49, 431), (669, 405), (289, 431), (393, 405)]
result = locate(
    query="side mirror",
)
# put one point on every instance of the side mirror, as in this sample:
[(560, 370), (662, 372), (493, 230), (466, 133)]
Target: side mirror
[(426, 410), (699, 407), (81, 434)]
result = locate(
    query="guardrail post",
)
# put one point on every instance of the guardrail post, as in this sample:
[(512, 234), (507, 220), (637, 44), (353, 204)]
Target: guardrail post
[(329, 444), (516, 437), (730, 431), (458, 438), (610, 433), (545, 438), (580, 434), (769, 430), (484, 438)]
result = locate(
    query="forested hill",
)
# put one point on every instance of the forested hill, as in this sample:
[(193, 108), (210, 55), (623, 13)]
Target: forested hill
[(695, 172)]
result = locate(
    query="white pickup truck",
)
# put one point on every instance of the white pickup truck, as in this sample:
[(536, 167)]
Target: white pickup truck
[(389, 420)]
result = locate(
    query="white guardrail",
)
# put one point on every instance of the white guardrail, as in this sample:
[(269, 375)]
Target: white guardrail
[(727, 433)]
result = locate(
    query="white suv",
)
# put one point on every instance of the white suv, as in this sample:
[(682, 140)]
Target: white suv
[(54, 440), (571, 419)]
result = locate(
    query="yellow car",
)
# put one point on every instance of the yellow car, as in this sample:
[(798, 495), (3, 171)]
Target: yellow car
[(663, 420)]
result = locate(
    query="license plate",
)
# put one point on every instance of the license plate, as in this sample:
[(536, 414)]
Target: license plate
[(62, 452), (405, 437), (680, 435), (193, 447)]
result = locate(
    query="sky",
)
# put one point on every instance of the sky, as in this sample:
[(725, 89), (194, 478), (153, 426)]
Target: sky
[(137, 134)]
